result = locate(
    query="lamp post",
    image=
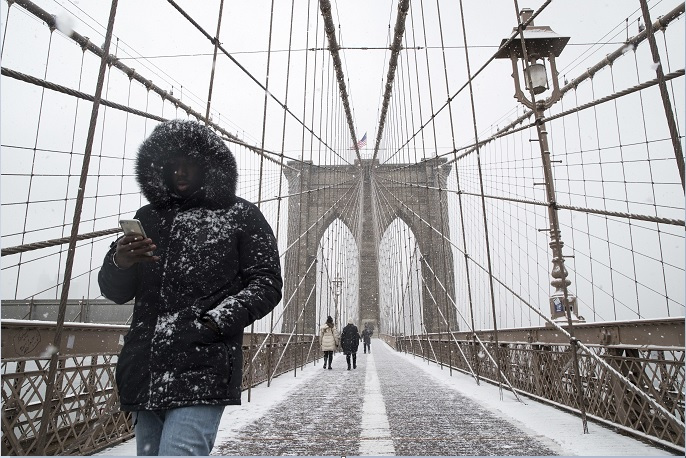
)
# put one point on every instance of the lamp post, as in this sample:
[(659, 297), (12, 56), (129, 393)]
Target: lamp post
[(337, 283), (535, 46)]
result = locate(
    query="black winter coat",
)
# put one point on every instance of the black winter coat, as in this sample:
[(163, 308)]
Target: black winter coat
[(350, 338), (367, 335), (219, 259)]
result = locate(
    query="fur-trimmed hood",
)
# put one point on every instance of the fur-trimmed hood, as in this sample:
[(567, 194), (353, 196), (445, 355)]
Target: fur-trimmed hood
[(192, 139)]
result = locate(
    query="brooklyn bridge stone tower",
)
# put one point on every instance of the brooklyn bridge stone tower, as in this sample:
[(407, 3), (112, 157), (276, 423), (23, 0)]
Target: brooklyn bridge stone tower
[(378, 194)]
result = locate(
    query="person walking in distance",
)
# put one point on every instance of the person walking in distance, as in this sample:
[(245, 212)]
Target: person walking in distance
[(208, 268), (350, 341), (328, 341), (367, 337)]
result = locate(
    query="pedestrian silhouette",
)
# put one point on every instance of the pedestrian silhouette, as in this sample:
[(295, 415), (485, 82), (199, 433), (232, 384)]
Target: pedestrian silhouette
[(328, 341), (350, 340), (367, 337)]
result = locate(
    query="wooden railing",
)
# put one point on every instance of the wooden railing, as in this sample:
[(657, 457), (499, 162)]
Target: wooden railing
[(84, 415), (631, 373)]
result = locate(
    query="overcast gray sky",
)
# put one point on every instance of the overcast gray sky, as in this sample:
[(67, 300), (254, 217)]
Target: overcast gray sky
[(155, 40), (155, 30)]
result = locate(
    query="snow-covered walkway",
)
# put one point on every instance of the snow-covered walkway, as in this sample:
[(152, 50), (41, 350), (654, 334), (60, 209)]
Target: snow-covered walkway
[(397, 404)]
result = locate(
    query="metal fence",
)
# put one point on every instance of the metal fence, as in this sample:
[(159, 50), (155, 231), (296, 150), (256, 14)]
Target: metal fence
[(632, 373), (636, 388), (84, 310), (83, 415)]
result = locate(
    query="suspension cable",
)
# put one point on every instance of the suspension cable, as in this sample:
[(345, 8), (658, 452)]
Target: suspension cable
[(330, 29), (398, 33)]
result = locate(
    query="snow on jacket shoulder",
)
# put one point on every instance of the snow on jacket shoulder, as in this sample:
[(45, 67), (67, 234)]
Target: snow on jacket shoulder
[(219, 259)]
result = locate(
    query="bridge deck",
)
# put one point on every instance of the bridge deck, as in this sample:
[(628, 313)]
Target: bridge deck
[(396, 404)]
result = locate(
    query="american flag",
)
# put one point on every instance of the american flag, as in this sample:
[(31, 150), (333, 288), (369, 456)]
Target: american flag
[(362, 142)]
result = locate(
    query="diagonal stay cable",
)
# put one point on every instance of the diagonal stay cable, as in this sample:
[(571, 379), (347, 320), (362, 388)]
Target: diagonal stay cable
[(454, 338), (596, 211), (510, 128), (660, 24), (291, 333), (116, 62), (288, 303), (573, 340), (665, 221), (466, 84), (86, 44), (314, 224), (376, 194), (82, 95), (348, 204), (490, 356), (245, 70)]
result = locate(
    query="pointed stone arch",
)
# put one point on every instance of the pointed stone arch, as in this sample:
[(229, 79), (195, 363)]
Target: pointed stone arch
[(416, 195), (412, 192), (333, 263)]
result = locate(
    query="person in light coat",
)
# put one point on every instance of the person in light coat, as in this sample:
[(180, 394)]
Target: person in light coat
[(328, 341)]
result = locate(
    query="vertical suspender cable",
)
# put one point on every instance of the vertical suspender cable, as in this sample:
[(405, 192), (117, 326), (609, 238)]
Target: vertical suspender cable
[(279, 189), (552, 213), (669, 113), (476, 142), (406, 236), (651, 173), (214, 63), (429, 258), (603, 197), (318, 311), (415, 170), (33, 160), (69, 175), (442, 197), (260, 183), (266, 100), (409, 247), (47, 418), (630, 224), (398, 32), (330, 29), (99, 168)]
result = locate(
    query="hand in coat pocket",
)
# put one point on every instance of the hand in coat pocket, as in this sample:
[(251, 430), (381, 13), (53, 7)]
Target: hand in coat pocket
[(230, 319)]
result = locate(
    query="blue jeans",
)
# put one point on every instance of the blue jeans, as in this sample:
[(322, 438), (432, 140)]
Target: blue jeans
[(183, 431)]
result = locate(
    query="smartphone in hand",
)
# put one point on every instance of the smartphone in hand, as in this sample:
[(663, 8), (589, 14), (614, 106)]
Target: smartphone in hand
[(133, 227)]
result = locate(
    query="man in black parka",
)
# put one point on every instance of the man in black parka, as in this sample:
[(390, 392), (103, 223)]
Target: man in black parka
[(367, 337), (214, 270), (350, 341)]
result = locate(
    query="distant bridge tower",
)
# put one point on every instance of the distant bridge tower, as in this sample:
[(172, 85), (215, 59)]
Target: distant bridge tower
[(410, 192)]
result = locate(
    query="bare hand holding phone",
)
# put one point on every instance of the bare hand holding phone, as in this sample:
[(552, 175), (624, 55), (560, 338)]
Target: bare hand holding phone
[(134, 246)]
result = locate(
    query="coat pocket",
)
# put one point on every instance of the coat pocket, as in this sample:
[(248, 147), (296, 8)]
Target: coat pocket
[(202, 368), (132, 371)]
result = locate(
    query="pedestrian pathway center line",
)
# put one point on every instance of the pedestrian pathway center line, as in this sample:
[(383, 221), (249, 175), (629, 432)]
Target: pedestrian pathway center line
[(376, 432)]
